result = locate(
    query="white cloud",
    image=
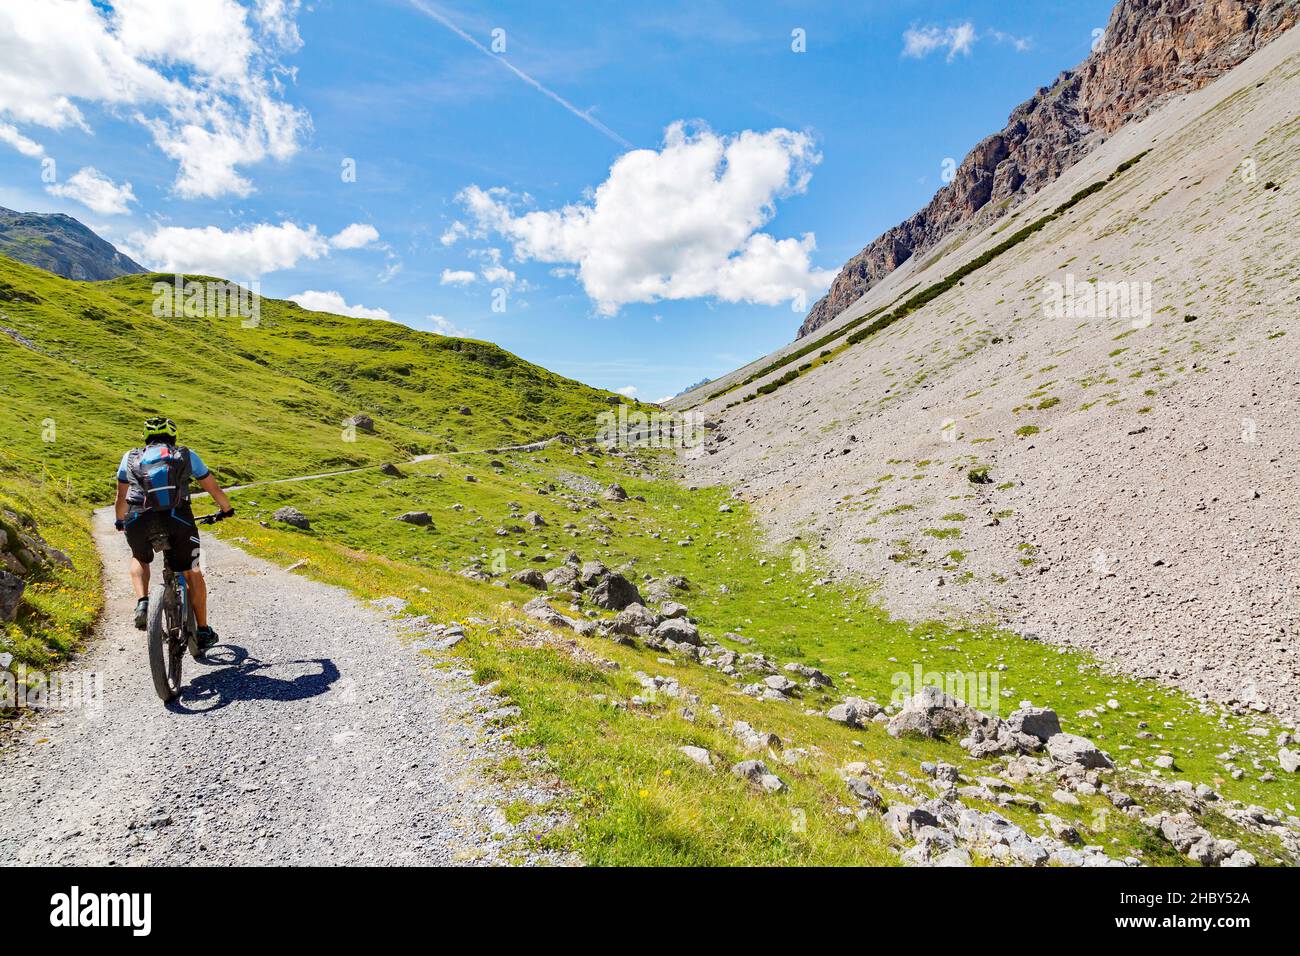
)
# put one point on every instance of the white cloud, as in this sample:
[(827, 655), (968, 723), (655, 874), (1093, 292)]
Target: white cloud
[(355, 236), (202, 78), (452, 233), (93, 189), (922, 42), (676, 223), (334, 302), (457, 277), (246, 252), (28, 147), (628, 390), (443, 327)]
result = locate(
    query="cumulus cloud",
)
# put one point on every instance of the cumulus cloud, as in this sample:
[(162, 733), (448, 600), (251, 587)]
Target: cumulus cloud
[(960, 40), (443, 327), (334, 302), (457, 277), (628, 390), (202, 76), (249, 251), (93, 189), (921, 42), (28, 147), (681, 222), (355, 236)]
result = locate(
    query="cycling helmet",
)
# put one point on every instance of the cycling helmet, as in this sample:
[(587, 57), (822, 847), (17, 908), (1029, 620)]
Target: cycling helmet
[(159, 428)]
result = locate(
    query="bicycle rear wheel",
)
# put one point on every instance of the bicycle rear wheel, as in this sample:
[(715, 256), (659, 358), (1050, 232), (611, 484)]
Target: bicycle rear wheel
[(166, 648)]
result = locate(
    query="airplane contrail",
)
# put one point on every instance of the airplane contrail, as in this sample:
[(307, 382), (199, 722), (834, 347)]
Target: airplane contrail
[(430, 11)]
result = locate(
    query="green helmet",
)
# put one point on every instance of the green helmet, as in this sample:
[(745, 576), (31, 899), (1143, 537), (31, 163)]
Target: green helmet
[(159, 427)]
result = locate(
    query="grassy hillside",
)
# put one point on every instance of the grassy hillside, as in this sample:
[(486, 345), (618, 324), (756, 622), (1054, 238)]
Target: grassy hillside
[(86, 362), (633, 797)]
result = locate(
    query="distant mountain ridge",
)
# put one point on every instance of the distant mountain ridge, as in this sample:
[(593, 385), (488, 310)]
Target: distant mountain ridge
[(62, 245), (1151, 50)]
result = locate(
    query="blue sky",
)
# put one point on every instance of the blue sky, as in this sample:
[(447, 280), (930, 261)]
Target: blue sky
[(484, 178)]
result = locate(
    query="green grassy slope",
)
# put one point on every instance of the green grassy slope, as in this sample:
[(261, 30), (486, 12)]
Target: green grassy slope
[(633, 797), (85, 362), (259, 402)]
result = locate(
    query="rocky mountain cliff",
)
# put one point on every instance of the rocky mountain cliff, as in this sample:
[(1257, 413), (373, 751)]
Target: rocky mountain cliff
[(1151, 50), (62, 245)]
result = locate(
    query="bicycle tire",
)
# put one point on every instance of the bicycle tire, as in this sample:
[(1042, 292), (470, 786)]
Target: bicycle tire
[(164, 663)]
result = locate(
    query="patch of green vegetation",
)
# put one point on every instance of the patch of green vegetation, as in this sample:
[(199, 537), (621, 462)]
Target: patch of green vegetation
[(979, 475), (1047, 403), (101, 362), (59, 604), (942, 534), (1024, 431), (623, 806)]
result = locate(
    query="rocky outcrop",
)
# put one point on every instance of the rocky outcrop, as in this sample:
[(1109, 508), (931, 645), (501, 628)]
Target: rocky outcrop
[(1151, 50)]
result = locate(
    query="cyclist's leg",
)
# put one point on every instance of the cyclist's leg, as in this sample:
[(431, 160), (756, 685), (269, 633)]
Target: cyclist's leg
[(139, 577), (138, 539), (198, 590), (183, 557)]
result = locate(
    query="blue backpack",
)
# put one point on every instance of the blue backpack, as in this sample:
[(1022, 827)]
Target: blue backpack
[(159, 476)]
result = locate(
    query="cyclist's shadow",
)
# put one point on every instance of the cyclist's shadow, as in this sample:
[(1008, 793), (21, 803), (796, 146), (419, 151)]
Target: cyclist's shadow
[(241, 679)]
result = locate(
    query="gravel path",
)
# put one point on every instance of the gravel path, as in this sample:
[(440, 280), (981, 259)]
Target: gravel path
[(315, 734)]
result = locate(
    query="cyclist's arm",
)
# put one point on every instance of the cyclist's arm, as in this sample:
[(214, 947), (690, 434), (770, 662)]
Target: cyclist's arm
[(119, 507), (209, 484)]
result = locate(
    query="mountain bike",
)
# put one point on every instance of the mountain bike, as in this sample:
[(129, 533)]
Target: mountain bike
[(172, 628)]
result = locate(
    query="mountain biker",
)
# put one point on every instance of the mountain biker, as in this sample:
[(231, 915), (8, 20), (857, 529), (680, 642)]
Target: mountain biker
[(153, 491)]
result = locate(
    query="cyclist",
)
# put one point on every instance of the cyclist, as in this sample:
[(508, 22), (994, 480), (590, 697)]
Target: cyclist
[(153, 492)]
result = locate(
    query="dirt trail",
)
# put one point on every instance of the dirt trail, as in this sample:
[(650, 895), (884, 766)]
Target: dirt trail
[(315, 734)]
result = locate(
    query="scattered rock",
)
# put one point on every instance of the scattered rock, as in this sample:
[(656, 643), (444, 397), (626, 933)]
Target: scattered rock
[(11, 593), (699, 755), (1071, 749), (756, 772), (421, 518), (291, 516), (531, 577)]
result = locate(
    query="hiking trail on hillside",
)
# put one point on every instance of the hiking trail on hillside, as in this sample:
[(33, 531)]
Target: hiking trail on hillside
[(315, 733)]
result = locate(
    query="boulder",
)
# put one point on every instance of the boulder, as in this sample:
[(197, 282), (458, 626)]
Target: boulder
[(1039, 722), (539, 610), (1289, 760), (756, 772), (361, 422), (534, 520), (1073, 750), (388, 468), (291, 516), (530, 577), (862, 789), (699, 755), (11, 593), (672, 609), (615, 493), (421, 518), (615, 592), (932, 713), (680, 630), (590, 573), (562, 578), (752, 739), (854, 712), (811, 674), (633, 620)]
